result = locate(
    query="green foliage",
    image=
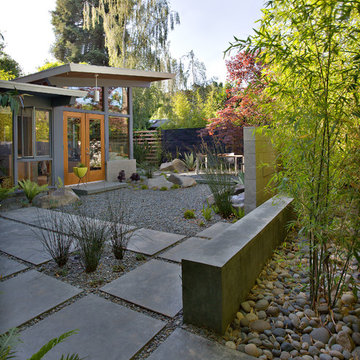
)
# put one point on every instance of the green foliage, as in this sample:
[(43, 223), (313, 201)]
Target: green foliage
[(175, 186), (190, 161), (9, 68), (144, 187), (74, 43), (50, 65), (140, 257), (5, 193), (11, 99), (163, 188), (140, 152), (201, 223), (206, 212), (31, 189), (312, 53), (189, 214), (238, 213)]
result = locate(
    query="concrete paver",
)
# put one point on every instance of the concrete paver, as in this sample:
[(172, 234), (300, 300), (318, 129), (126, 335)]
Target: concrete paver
[(105, 331), (181, 345), (150, 242), (9, 266), (156, 286), (214, 230), (28, 295), (188, 248)]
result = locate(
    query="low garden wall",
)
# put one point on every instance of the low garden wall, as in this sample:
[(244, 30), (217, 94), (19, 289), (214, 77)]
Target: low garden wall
[(215, 283)]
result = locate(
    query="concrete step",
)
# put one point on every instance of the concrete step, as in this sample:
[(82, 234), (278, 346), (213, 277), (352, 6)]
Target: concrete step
[(97, 187)]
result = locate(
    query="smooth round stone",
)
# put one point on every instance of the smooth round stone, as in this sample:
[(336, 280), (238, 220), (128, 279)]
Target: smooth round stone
[(320, 334), (272, 311), (244, 322), (348, 299), (338, 354), (351, 319), (307, 357), (268, 344), (262, 304), (347, 354), (305, 346), (231, 345), (295, 337), (252, 350), (268, 354), (325, 357), (296, 345), (280, 339), (337, 347), (330, 326), (246, 306), (295, 320), (285, 355), (279, 332), (261, 315), (356, 338), (251, 317), (255, 341), (268, 332), (279, 324), (347, 329), (343, 338), (241, 347), (320, 345), (286, 346), (309, 313), (239, 315), (276, 352), (313, 350)]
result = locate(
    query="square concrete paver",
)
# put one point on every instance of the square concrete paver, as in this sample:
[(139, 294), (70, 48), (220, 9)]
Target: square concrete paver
[(9, 266), (28, 215), (7, 225), (156, 285), (23, 243), (150, 242), (105, 331), (182, 345), (214, 230), (191, 247), (28, 295)]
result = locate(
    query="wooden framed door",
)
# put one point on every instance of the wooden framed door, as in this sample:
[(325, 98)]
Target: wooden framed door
[(83, 143)]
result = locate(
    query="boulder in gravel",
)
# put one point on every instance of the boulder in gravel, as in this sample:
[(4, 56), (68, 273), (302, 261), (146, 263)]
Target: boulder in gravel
[(158, 182), (252, 350), (175, 165), (348, 298), (262, 304), (59, 197), (183, 181)]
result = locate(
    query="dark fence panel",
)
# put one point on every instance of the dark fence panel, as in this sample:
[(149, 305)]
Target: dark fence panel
[(190, 140)]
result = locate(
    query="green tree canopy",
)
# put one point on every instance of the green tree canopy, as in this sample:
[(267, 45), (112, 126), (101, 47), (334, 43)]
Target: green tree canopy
[(9, 68), (74, 43)]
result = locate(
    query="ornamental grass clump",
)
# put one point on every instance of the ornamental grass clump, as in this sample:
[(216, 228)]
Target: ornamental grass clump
[(119, 233), (90, 235), (189, 214), (56, 242)]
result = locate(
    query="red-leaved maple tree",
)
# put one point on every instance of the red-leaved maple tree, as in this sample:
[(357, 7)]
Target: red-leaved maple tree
[(246, 87)]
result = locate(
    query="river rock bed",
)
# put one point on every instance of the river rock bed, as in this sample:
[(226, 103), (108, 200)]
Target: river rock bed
[(276, 320)]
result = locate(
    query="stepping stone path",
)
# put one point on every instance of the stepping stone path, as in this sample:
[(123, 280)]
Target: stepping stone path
[(106, 329), (30, 294), (156, 286)]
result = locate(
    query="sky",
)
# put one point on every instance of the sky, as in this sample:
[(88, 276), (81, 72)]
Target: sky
[(207, 27)]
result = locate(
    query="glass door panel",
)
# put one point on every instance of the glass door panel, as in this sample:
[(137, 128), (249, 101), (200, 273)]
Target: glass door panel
[(73, 142), (95, 144)]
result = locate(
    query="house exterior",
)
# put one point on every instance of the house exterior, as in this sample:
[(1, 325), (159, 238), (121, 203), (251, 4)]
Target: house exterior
[(75, 114)]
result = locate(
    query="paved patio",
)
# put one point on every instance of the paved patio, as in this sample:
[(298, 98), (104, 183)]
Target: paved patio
[(106, 329)]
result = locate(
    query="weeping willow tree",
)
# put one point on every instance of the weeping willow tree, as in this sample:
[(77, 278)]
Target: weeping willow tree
[(136, 31)]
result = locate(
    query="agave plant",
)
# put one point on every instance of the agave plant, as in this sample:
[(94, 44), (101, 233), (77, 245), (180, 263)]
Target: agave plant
[(31, 189), (189, 160)]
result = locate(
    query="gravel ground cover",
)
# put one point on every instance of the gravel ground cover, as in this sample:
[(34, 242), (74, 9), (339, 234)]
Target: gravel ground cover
[(154, 209), (276, 321)]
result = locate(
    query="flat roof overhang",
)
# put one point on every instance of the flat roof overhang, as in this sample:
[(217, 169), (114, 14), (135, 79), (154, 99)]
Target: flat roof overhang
[(85, 75), (57, 96)]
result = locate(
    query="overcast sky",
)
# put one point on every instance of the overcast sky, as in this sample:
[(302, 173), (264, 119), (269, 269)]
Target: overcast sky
[(207, 27)]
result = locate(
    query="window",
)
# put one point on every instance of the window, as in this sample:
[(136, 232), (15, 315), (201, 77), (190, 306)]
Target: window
[(36, 171), (118, 138), (118, 100), (33, 133), (6, 146), (88, 102)]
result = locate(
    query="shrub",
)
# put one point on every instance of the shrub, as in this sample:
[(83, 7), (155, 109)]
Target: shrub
[(201, 223), (175, 186), (189, 214), (56, 243), (144, 187), (163, 188), (90, 235), (118, 232), (4, 192), (189, 160), (206, 212), (31, 189), (238, 213)]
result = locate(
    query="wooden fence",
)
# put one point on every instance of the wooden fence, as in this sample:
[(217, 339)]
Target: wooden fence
[(151, 141)]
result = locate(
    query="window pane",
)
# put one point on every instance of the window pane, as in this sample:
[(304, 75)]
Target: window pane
[(25, 128), (6, 131), (118, 138), (36, 171), (42, 123), (88, 102), (74, 142), (118, 100), (95, 144)]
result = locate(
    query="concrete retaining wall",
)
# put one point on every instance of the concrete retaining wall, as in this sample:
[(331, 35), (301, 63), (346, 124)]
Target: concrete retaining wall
[(113, 167), (259, 157), (215, 283)]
